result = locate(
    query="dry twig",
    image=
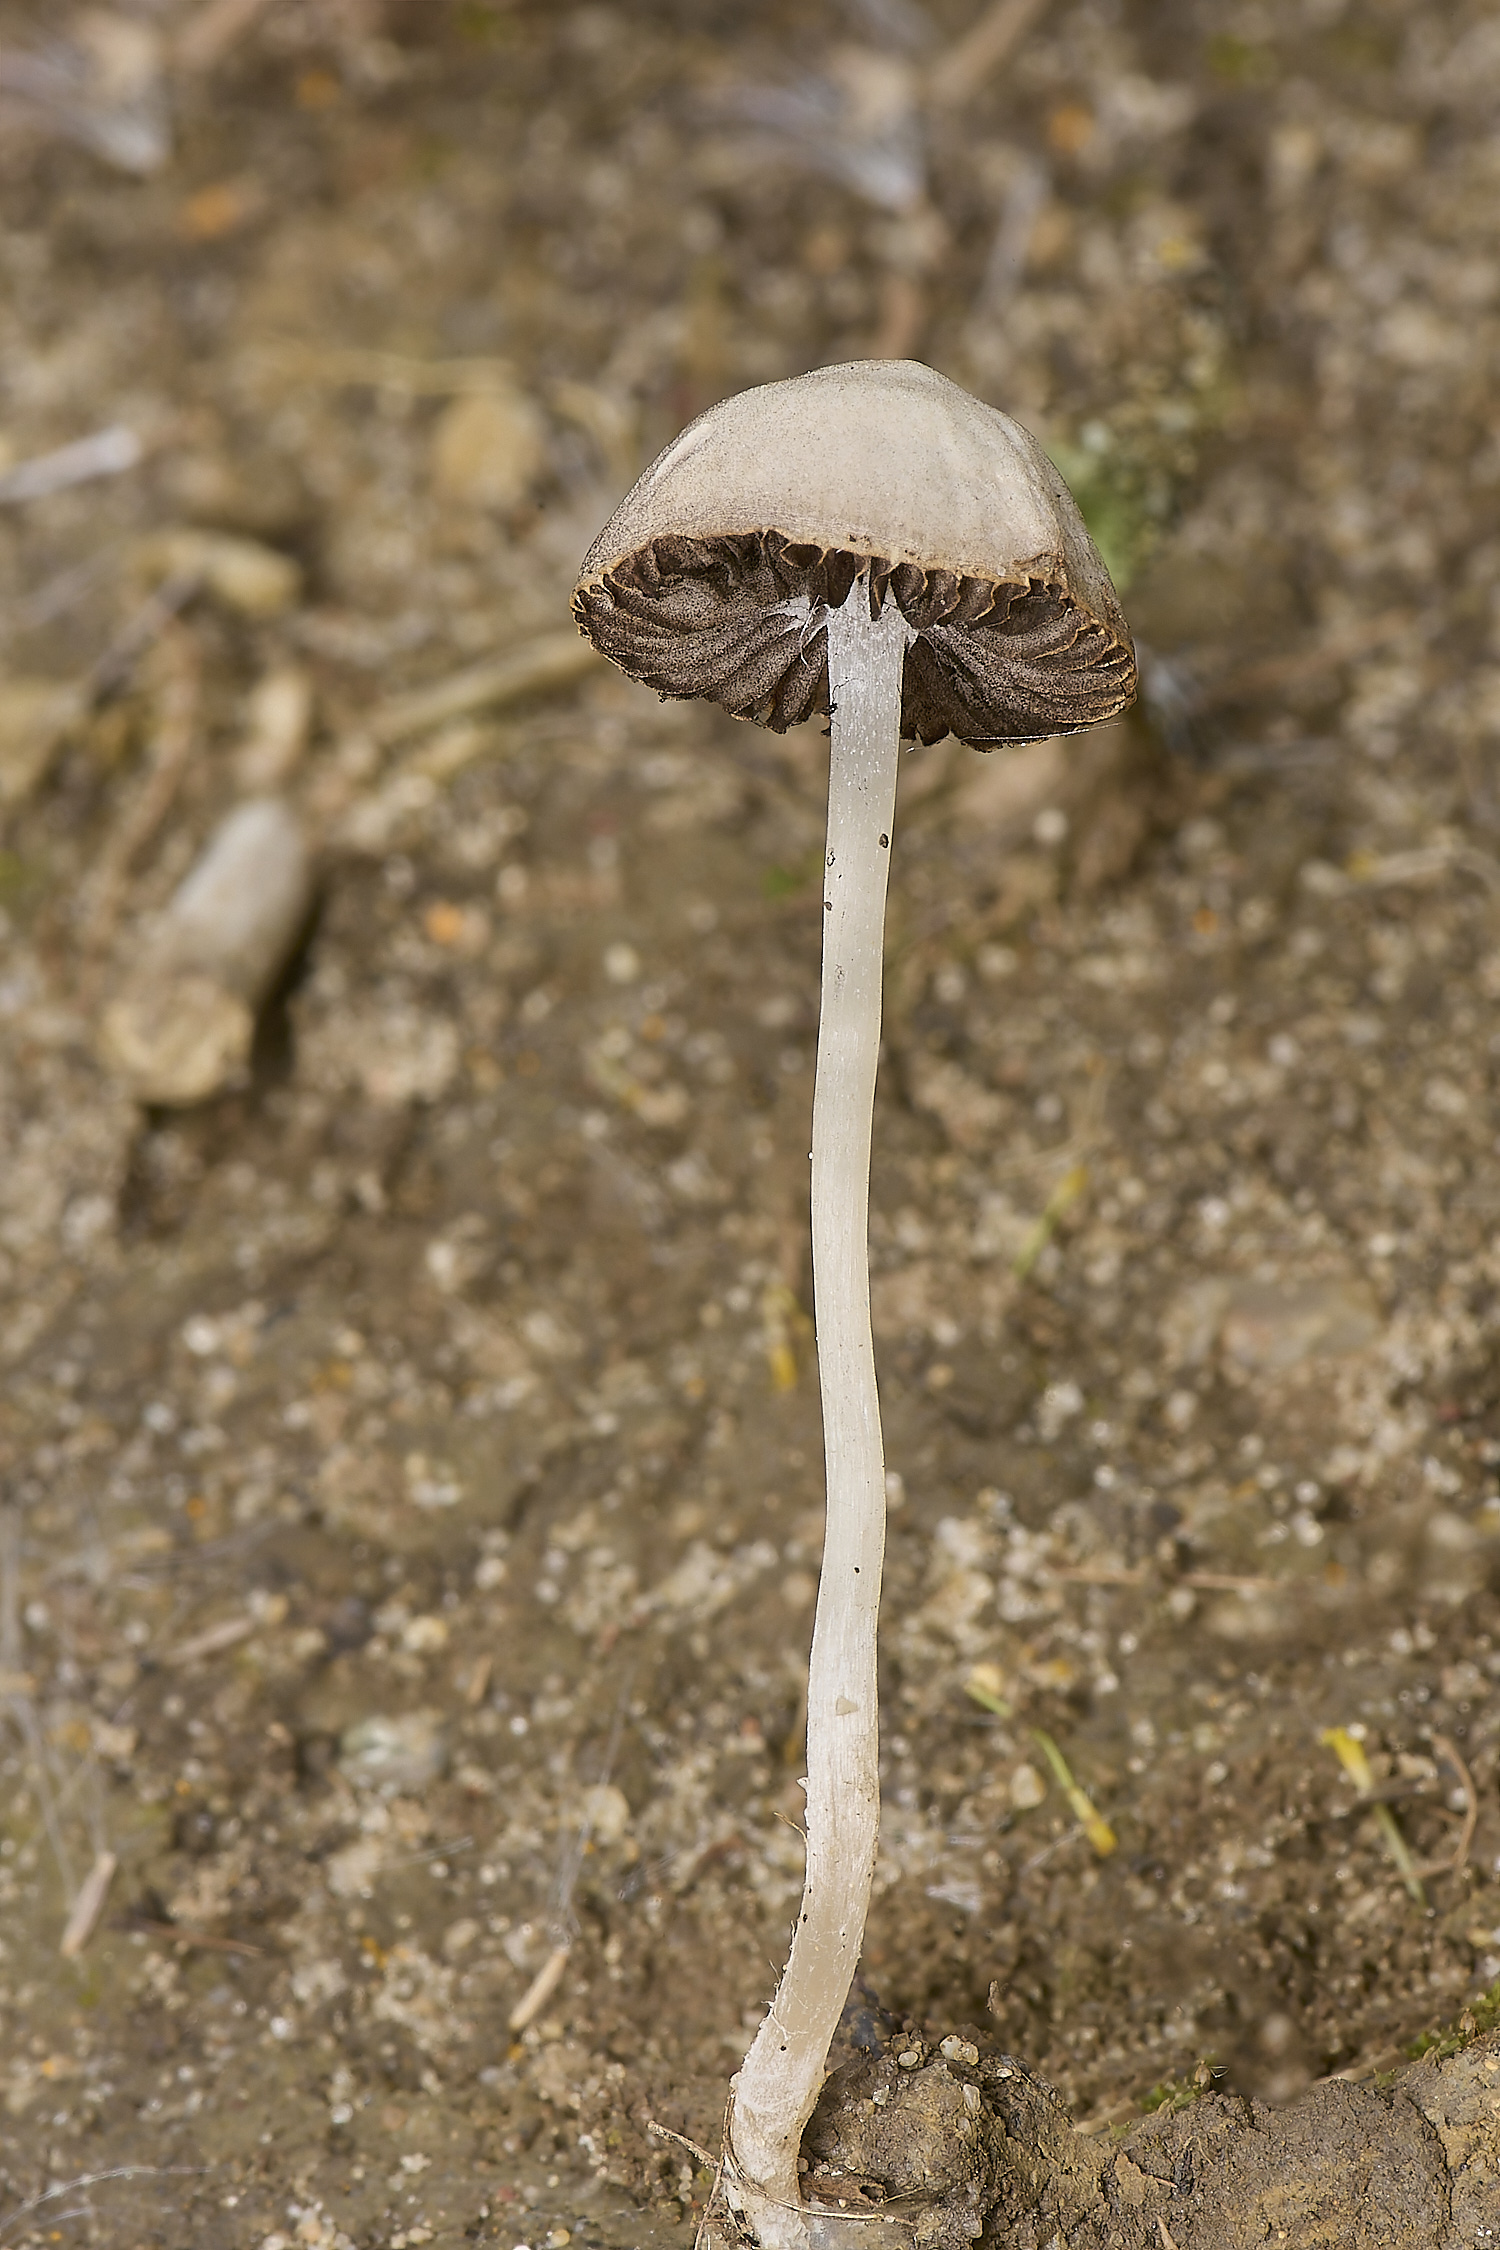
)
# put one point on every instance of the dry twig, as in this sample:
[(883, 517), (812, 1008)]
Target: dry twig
[(201, 1941), (1447, 1749), (540, 1989), (550, 660), (88, 1905), (665, 2133), (209, 34), (171, 753), (107, 453), (228, 1633), (962, 72)]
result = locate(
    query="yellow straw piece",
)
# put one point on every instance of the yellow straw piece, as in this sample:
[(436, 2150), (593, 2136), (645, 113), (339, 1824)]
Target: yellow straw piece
[(1092, 1821), (1350, 1752), (783, 1318), (1066, 1193), (983, 1687)]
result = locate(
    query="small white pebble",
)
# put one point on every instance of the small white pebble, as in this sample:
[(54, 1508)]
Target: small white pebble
[(1027, 1788), (1180, 1410), (423, 1636)]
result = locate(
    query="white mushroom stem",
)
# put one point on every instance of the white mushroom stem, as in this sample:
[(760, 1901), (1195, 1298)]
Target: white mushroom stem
[(778, 2085)]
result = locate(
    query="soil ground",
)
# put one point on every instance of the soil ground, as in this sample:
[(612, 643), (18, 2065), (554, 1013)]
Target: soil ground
[(411, 1456)]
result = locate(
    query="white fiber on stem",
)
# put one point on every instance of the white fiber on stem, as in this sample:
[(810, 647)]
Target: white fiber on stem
[(779, 2083)]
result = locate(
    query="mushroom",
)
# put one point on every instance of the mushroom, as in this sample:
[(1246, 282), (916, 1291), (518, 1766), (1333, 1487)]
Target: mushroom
[(871, 542)]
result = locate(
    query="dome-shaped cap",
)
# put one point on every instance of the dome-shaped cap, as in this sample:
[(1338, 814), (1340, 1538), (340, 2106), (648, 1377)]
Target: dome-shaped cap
[(710, 577)]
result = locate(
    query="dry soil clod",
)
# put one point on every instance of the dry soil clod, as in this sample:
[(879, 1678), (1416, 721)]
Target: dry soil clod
[(966, 2148)]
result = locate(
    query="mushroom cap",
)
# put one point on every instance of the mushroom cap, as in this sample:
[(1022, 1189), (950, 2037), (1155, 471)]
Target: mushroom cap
[(713, 575)]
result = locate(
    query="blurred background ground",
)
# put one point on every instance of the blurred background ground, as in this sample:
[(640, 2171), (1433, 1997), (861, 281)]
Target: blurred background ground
[(411, 1456)]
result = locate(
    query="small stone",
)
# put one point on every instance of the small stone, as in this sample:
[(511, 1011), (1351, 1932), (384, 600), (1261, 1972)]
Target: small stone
[(960, 2051), (393, 1753), (1271, 1326), (487, 449), (606, 1811), (910, 2060), (242, 574), (1027, 1788), (351, 1872)]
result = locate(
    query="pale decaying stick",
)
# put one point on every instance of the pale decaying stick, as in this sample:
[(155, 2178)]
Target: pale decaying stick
[(212, 1641), (550, 660), (107, 453), (182, 1026), (88, 1905), (540, 1989)]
